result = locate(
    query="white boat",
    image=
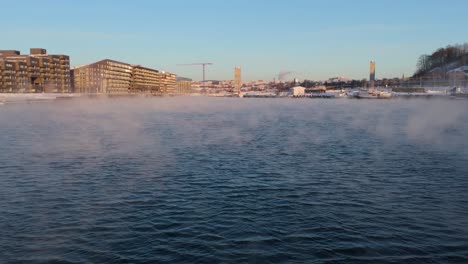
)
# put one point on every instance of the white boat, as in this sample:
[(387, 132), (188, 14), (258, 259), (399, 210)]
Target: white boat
[(341, 94), (258, 95), (457, 92), (371, 94), (352, 94)]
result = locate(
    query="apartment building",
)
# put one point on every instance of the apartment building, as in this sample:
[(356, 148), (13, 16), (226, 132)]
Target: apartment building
[(184, 85), (168, 83), (13, 76), (145, 80), (105, 76), (7, 75), (37, 72), (113, 77), (21, 81)]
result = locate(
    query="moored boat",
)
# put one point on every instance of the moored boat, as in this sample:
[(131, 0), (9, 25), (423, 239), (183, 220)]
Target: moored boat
[(371, 94), (457, 92)]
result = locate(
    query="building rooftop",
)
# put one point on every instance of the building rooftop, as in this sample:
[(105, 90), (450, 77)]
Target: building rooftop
[(9, 52), (183, 79), (461, 69), (142, 67)]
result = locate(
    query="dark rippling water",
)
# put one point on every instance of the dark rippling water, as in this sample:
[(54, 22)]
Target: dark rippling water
[(200, 180)]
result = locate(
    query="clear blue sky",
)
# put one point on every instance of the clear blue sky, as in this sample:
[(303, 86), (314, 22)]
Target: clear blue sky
[(315, 39)]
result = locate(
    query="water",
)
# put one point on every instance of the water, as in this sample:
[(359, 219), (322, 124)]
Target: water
[(224, 180)]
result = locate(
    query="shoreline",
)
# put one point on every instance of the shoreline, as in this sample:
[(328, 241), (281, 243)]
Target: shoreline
[(50, 97)]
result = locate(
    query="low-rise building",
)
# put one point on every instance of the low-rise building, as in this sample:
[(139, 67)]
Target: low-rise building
[(459, 73), (298, 91)]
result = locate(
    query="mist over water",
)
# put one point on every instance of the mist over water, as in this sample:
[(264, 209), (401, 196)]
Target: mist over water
[(228, 180)]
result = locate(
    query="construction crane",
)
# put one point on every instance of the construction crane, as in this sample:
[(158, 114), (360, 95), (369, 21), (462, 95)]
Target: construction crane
[(197, 64)]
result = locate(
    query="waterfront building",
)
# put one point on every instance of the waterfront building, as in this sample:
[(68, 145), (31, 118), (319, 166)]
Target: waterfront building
[(298, 91), (6, 53), (459, 76), (168, 82), (21, 81), (237, 79), (459, 73), (184, 85), (7, 75), (114, 77), (36, 72), (105, 76), (145, 80)]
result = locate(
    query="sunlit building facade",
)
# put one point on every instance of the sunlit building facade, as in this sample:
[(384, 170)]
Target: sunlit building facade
[(103, 77), (168, 83), (145, 80), (37, 72), (114, 77), (184, 85), (7, 75), (237, 79)]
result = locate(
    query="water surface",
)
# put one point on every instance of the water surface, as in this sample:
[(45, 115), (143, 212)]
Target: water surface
[(224, 180)]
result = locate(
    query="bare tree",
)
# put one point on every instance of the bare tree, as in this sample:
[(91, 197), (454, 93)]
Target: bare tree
[(443, 58)]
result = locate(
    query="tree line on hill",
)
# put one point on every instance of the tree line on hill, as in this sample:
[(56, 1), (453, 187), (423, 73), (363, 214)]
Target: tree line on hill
[(447, 58)]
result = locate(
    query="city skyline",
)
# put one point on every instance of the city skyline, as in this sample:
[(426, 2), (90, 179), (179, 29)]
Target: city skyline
[(313, 39)]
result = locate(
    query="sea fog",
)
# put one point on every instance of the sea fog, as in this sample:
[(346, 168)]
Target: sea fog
[(231, 180), (159, 124)]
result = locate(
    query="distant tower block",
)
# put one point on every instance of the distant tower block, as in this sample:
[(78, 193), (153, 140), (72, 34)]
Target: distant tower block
[(372, 74), (237, 79)]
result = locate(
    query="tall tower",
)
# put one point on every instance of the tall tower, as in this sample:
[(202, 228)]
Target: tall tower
[(237, 79), (372, 74)]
